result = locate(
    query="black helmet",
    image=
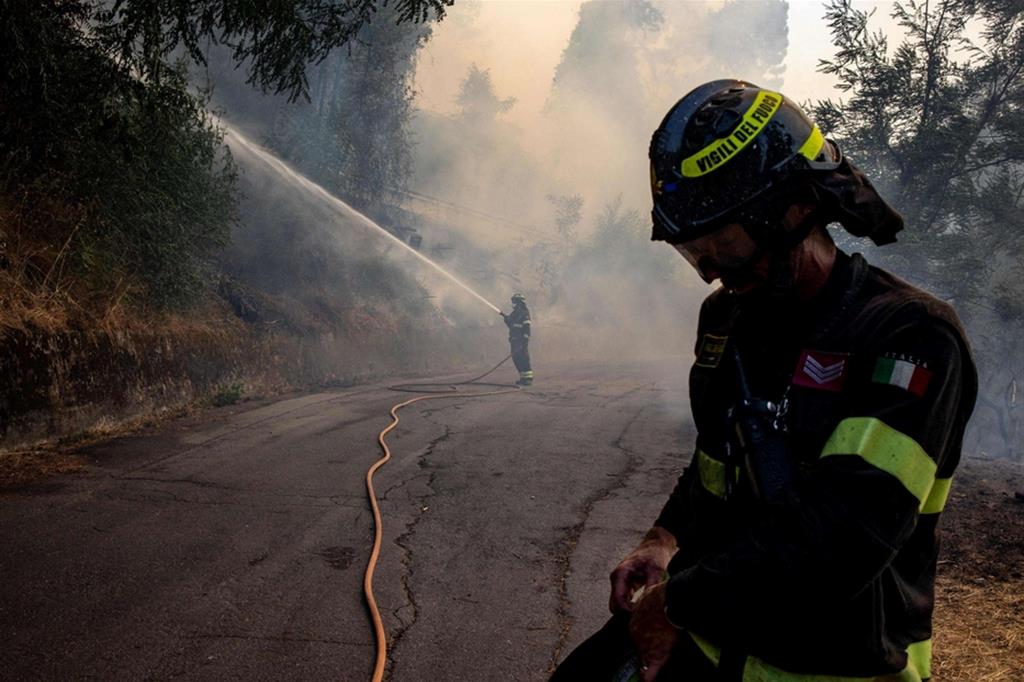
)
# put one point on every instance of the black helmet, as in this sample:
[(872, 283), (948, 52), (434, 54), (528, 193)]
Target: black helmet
[(723, 152), (517, 299)]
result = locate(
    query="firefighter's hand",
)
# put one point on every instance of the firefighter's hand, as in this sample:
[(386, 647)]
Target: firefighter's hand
[(652, 634), (643, 567)]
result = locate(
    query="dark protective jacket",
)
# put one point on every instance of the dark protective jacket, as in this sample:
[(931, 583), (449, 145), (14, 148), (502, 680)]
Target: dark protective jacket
[(518, 322), (879, 383)]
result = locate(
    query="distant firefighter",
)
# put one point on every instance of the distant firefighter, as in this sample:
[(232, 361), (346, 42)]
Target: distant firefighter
[(518, 322)]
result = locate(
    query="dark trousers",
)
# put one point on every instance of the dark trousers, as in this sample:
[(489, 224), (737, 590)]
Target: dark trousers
[(600, 658), (521, 353)]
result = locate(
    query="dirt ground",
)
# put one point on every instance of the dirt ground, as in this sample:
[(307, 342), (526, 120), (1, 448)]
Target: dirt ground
[(979, 618)]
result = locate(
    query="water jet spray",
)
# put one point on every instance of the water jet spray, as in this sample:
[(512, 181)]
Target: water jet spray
[(287, 172)]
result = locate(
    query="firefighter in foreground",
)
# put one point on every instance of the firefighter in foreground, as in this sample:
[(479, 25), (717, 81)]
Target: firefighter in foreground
[(830, 400), (518, 323)]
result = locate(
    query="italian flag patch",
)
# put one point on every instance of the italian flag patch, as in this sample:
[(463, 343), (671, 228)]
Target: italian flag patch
[(907, 375)]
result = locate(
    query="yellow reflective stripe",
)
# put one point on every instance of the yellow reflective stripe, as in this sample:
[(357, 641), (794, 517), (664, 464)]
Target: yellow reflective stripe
[(936, 501), (756, 670), (721, 150), (919, 656), (919, 664), (713, 653), (812, 147), (887, 449), (712, 473), (527, 374)]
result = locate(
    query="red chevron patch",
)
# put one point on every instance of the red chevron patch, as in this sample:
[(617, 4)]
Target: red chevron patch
[(821, 370)]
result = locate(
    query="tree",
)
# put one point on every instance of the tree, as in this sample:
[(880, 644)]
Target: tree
[(352, 136), (938, 123), (939, 120), (276, 40), (124, 181), (97, 116), (549, 258), (609, 278), (568, 212), (477, 100), (603, 53)]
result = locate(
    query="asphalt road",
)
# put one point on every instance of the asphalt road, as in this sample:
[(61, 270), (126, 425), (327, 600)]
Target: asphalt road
[(232, 544)]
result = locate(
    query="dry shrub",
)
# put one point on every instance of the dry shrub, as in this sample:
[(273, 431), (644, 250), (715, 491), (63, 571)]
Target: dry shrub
[(36, 288)]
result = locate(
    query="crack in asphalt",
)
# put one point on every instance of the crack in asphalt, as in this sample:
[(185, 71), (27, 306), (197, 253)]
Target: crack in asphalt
[(320, 404), (278, 638), (406, 557), (273, 500), (189, 481), (607, 401), (616, 481)]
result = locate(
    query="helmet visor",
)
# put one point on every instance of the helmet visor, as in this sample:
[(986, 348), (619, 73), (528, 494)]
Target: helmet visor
[(689, 208), (699, 208)]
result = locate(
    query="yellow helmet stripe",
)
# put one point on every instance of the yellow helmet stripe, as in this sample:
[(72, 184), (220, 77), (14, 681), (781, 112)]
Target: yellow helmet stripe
[(812, 147), (721, 150)]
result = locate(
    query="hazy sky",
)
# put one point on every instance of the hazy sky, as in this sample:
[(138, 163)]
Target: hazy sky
[(521, 41)]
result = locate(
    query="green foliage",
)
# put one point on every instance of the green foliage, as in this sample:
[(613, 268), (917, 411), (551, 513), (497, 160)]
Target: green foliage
[(477, 100), (352, 134), (938, 123), (276, 40), (607, 277), (228, 395), (621, 241), (163, 213), (142, 162), (568, 212)]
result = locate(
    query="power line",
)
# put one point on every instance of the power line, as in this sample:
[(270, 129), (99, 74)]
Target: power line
[(477, 213)]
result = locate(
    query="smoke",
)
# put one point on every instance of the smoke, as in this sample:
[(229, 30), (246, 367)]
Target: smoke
[(297, 259), (602, 287), (341, 210), (528, 169)]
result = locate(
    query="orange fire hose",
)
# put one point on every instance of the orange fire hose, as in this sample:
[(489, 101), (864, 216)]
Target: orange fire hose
[(378, 625)]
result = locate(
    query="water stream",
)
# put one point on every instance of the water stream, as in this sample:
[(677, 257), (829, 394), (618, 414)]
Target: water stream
[(287, 173)]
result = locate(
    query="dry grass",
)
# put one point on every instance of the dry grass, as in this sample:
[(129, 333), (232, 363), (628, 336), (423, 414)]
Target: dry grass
[(22, 467), (27, 466), (979, 611), (979, 632), (36, 288)]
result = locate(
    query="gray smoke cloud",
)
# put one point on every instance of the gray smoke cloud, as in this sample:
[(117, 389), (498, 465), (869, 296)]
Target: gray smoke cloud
[(490, 182), (602, 288)]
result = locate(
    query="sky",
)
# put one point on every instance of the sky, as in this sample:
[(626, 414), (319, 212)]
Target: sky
[(521, 41)]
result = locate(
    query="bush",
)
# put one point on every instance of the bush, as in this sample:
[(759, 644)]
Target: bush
[(228, 395), (140, 164)]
